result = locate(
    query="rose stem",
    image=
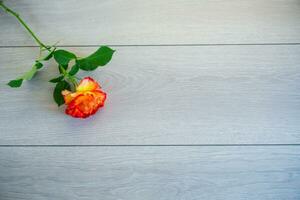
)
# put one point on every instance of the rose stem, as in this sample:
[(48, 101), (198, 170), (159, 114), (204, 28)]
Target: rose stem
[(24, 24)]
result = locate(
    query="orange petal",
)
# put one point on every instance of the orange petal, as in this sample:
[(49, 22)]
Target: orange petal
[(87, 84), (69, 96), (86, 104)]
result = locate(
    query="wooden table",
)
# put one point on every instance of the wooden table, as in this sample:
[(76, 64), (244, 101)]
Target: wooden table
[(203, 102)]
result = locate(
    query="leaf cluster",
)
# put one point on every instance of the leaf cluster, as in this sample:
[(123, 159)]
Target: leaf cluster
[(66, 79)]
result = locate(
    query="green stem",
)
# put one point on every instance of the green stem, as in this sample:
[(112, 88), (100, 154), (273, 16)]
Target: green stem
[(68, 76), (24, 24), (64, 72)]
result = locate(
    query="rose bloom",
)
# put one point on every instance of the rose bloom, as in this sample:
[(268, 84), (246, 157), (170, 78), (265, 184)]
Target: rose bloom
[(87, 99)]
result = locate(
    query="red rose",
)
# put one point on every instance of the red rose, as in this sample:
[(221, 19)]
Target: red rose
[(87, 99)]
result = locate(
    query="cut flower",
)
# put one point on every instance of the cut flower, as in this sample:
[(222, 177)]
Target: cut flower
[(87, 99)]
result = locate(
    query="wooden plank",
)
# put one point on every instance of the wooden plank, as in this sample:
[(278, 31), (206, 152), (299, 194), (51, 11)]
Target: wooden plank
[(153, 22), (169, 173), (163, 95)]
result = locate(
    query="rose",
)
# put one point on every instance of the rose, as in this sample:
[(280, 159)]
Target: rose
[(87, 99), (88, 96)]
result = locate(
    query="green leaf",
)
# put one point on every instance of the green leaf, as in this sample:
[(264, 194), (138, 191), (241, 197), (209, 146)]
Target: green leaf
[(57, 79), (27, 76), (30, 74), (74, 70), (60, 86), (38, 65), (100, 58), (63, 57), (15, 83)]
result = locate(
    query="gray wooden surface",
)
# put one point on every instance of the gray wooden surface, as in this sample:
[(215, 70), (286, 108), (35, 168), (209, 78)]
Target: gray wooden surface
[(76, 22), (168, 173), (203, 102), (164, 95)]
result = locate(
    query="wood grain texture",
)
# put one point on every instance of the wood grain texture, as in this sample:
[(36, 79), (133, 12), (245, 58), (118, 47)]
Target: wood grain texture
[(160, 95), (165, 173), (76, 22), (164, 95)]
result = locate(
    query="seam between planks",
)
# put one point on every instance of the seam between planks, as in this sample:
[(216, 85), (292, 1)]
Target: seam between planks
[(156, 145), (163, 45)]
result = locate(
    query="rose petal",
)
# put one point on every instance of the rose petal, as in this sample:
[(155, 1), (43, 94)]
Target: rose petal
[(87, 84), (86, 104)]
